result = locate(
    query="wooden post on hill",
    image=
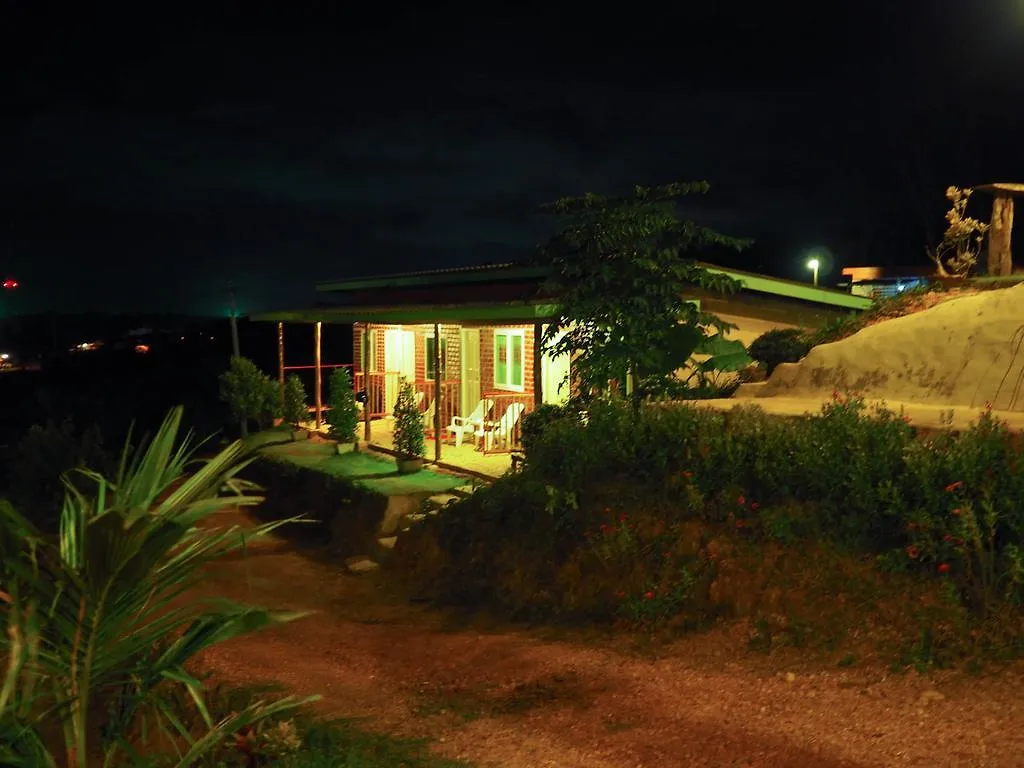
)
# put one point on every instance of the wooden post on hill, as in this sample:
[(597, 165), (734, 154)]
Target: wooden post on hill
[(1000, 233)]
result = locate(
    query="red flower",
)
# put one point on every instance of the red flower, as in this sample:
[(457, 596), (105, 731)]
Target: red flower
[(741, 500), (620, 593), (739, 523), (648, 595), (754, 506), (947, 538), (604, 528), (623, 518), (906, 419), (912, 552), (943, 567), (668, 554), (954, 486), (835, 394), (956, 512), (688, 475)]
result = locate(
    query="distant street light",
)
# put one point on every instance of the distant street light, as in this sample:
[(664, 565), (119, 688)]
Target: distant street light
[(813, 265)]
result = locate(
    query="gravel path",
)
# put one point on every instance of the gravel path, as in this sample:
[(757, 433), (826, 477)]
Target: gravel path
[(513, 698)]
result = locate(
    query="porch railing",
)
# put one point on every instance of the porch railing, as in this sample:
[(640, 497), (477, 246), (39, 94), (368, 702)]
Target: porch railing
[(503, 429), (377, 385), (448, 405)]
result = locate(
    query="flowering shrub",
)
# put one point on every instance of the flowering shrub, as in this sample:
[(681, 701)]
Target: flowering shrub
[(612, 515)]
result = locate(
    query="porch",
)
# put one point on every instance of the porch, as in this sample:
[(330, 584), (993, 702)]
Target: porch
[(473, 388)]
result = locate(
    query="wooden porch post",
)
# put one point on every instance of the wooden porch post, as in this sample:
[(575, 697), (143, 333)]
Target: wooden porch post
[(366, 381), (280, 362), (318, 402), (538, 362), (437, 392)]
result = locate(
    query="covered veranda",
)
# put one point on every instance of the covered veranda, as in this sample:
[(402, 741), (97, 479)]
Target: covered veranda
[(471, 424)]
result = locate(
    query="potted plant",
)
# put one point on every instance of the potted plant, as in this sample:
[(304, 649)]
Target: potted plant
[(343, 416), (295, 409), (409, 438)]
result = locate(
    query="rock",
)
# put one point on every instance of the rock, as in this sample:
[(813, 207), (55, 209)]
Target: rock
[(388, 542), (929, 696), (442, 500), (398, 508), (361, 564), (790, 677)]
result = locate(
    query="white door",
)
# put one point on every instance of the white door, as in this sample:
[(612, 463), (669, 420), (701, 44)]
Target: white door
[(554, 372), (469, 354), (400, 358)]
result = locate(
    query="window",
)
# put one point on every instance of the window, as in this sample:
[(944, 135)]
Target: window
[(508, 359), (430, 357)]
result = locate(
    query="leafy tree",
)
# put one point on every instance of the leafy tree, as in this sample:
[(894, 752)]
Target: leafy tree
[(295, 408), (343, 417), (410, 441), (249, 393), (622, 268), (782, 345)]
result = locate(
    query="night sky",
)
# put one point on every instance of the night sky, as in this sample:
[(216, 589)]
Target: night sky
[(147, 159)]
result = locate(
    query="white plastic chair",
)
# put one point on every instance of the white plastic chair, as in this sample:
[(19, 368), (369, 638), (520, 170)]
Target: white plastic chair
[(503, 428), (468, 425)]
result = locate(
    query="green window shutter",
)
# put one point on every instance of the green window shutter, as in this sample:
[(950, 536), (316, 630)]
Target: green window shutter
[(501, 359), (517, 361)]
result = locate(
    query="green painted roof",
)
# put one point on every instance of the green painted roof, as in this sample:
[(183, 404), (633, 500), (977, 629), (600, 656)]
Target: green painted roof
[(517, 311)]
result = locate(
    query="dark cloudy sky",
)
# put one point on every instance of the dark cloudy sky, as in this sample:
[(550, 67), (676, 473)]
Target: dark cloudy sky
[(149, 158)]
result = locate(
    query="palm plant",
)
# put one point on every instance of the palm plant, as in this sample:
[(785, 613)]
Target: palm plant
[(95, 636)]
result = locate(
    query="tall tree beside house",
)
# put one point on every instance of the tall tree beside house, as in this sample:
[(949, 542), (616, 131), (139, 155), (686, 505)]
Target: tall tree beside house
[(622, 267)]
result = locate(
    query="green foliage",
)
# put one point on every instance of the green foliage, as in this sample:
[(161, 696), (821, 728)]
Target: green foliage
[(409, 437), (41, 458), (295, 409), (545, 542), (621, 269), (343, 417), (94, 622), (535, 422), (786, 345), (299, 739), (250, 394), (336, 512)]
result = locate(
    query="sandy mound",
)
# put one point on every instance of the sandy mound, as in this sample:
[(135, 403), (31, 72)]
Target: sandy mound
[(967, 351)]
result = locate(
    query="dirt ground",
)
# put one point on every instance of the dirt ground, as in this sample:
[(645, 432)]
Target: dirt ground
[(500, 696)]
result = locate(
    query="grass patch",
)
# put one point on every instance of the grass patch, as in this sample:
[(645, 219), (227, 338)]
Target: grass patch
[(367, 470)]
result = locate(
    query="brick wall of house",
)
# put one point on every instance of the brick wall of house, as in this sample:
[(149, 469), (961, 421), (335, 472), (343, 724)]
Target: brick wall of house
[(358, 329)]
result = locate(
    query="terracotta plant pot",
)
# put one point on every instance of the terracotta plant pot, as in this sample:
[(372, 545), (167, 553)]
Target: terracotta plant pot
[(408, 466)]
